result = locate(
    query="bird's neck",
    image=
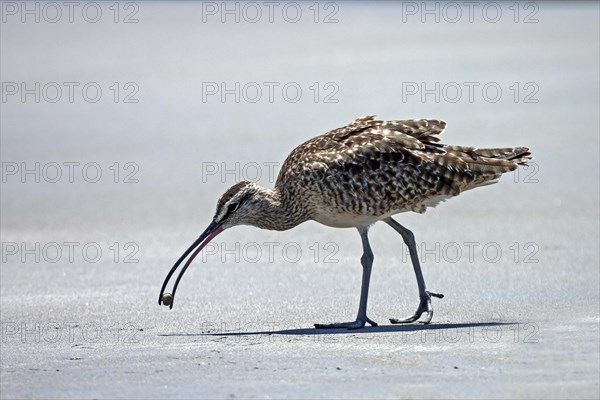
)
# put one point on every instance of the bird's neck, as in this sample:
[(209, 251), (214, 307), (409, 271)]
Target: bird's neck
[(276, 212)]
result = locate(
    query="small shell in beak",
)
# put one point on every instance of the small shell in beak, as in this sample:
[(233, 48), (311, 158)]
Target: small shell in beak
[(167, 299)]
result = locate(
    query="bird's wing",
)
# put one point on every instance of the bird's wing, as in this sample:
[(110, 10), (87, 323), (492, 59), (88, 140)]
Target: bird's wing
[(416, 141), (424, 130), (397, 159)]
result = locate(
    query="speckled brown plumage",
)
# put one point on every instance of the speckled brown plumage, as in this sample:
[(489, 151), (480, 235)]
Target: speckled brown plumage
[(372, 169), (355, 176)]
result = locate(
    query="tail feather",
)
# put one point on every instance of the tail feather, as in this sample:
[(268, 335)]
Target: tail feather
[(488, 163), (519, 155), (485, 166)]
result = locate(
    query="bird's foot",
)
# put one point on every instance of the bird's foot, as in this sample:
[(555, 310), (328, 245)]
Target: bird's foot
[(359, 323), (424, 306)]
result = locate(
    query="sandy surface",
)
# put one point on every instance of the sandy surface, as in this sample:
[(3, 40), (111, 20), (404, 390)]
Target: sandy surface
[(83, 258)]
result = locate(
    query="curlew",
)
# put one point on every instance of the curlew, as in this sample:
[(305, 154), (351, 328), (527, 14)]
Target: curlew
[(354, 176)]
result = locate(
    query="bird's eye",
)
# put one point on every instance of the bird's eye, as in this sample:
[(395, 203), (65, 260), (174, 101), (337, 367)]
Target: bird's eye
[(232, 207)]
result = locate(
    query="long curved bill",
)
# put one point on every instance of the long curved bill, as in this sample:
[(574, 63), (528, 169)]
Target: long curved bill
[(213, 230)]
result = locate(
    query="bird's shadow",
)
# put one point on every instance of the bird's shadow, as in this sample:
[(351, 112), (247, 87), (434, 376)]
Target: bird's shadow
[(342, 331)]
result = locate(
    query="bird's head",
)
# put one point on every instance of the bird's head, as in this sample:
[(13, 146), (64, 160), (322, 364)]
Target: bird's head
[(239, 205)]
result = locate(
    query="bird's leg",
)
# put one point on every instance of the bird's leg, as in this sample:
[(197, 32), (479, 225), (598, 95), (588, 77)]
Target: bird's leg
[(367, 262), (424, 294)]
